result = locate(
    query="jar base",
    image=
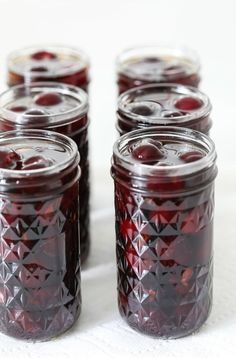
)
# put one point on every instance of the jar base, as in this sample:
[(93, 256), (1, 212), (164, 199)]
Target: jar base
[(173, 334), (39, 337)]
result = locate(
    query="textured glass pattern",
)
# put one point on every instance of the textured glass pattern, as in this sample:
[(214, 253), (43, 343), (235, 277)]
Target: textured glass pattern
[(164, 258), (39, 266)]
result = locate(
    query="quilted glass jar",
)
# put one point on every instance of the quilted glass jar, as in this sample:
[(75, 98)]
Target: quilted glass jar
[(164, 203), (39, 234), (60, 108)]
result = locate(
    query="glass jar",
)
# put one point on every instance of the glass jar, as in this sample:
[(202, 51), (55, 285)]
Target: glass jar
[(48, 63), (164, 203), (157, 64), (163, 105), (60, 108), (39, 234)]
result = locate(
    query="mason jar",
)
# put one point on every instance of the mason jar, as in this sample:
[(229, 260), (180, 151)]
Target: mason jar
[(164, 207), (39, 234), (60, 108)]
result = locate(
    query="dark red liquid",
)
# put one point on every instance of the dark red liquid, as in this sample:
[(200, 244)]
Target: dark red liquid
[(48, 66), (164, 105), (76, 129), (164, 246), (40, 266), (145, 71)]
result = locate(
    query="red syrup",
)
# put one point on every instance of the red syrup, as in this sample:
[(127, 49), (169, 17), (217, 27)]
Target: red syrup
[(51, 63), (164, 202), (59, 108), (164, 104), (145, 65), (39, 242)]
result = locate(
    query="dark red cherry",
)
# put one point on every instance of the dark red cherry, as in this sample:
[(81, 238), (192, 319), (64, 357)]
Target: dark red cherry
[(18, 109), (36, 162), (188, 103), (192, 156), (37, 115), (48, 99), (9, 159), (147, 153), (191, 222), (186, 276), (152, 60), (35, 112), (43, 55), (172, 114), (39, 69), (142, 110)]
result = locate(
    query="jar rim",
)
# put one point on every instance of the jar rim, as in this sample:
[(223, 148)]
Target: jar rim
[(48, 120), (203, 111), (157, 50), (81, 63), (61, 139), (171, 132)]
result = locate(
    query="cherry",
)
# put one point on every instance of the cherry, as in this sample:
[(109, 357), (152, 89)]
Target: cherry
[(142, 110), (35, 112), (147, 153), (152, 59), (48, 99), (180, 251), (9, 159), (191, 222), (18, 109), (172, 114), (39, 69), (192, 156), (43, 55), (36, 162), (188, 103), (186, 276)]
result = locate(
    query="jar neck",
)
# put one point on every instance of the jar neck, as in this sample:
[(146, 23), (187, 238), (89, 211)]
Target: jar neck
[(181, 54), (164, 180), (150, 95), (12, 119), (125, 124), (41, 186), (61, 170), (79, 58)]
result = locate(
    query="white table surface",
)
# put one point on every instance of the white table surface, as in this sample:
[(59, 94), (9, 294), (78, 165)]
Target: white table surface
[(103, 28)]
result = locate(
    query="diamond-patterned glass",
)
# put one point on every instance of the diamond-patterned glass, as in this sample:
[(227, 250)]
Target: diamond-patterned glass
[(39, 265), (164, 260)]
